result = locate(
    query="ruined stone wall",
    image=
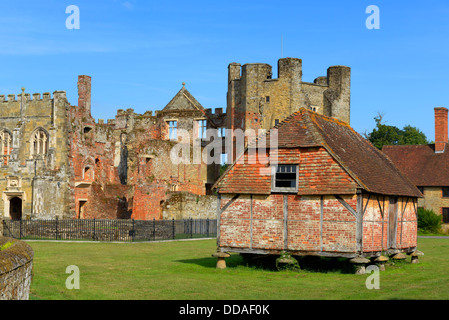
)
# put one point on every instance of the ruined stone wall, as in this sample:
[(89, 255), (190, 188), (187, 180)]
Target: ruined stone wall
[(39, 178), (16, 264), (185, 205), (124, 168)]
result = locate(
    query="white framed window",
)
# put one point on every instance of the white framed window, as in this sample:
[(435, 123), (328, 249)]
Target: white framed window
[(202, 127), (172, 130), (285, 178)]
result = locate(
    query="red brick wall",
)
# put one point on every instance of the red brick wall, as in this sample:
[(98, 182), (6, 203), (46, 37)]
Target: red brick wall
[(407, 229), (376, 227), (258, 223), (266, 229)]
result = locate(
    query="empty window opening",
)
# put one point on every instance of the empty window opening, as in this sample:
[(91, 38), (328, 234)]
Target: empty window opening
[(87, 130), (222, 132), (172, 130), (202, 127), (82, 209), (88, 174)]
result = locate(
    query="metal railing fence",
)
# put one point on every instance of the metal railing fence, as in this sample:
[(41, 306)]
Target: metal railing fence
[(109, 230)]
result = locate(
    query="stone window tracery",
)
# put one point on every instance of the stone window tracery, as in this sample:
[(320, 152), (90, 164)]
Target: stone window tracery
[(39, 143), (5, 145)]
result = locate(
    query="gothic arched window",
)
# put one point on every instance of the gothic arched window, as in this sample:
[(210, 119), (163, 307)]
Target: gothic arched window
[(5, 145), (39, 143)]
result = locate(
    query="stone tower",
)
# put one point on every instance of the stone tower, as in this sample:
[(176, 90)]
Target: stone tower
[(256, 100)]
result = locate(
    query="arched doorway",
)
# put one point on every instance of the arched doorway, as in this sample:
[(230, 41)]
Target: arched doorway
[(15, 208)]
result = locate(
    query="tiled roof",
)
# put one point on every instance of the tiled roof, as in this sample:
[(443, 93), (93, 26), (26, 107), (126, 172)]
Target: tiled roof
[(421, 164), (368, 166)]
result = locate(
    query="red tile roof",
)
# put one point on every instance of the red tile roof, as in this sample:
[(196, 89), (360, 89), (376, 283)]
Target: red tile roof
[(421, 164), (365, 164)]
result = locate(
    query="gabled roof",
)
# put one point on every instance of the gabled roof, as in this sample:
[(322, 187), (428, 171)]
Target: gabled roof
[(183, 100), (421, 164), (368, 166)]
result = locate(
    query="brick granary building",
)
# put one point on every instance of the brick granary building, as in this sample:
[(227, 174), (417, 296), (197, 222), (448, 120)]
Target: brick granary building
[(329, 192)]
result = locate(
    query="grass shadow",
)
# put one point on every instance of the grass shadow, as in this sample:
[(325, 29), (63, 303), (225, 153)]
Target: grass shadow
[(210, 262), (268, 263)]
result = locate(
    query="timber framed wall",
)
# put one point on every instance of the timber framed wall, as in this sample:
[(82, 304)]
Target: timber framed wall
[(346, 225)]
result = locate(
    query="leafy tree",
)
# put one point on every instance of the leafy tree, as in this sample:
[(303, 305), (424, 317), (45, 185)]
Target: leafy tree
[(412, 135), (384, 134)]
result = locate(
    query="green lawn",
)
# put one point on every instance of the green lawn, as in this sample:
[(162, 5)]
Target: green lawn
[(185, 270)]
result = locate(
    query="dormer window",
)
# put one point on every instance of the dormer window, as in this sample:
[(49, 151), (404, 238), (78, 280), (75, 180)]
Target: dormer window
[(285, 179)]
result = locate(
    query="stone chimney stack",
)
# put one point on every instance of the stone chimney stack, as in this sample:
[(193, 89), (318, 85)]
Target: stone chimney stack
[(84, 93), (441, 135)]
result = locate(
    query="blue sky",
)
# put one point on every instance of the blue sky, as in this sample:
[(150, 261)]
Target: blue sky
[(138, 52)]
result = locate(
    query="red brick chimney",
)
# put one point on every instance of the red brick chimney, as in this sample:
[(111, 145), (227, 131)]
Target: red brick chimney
[(441, 137)]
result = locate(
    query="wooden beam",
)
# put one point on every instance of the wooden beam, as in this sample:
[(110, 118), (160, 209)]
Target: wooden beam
[(359, 218), (346, 205), (229, 203), (251, 221), (220, 211), (218, 218), (285, 222), (321, 221)]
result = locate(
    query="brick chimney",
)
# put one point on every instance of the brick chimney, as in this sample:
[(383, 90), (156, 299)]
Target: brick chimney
[(441, 137)]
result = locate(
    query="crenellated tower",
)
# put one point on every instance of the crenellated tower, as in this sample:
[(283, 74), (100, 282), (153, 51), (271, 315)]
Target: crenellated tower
[(257, 100)]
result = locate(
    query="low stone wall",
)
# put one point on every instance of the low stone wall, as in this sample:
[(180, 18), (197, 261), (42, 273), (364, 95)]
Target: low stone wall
[(16, 263), (186, 205)]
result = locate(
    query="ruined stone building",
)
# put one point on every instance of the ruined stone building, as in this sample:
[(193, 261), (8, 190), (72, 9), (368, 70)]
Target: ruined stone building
[(57, 160)]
